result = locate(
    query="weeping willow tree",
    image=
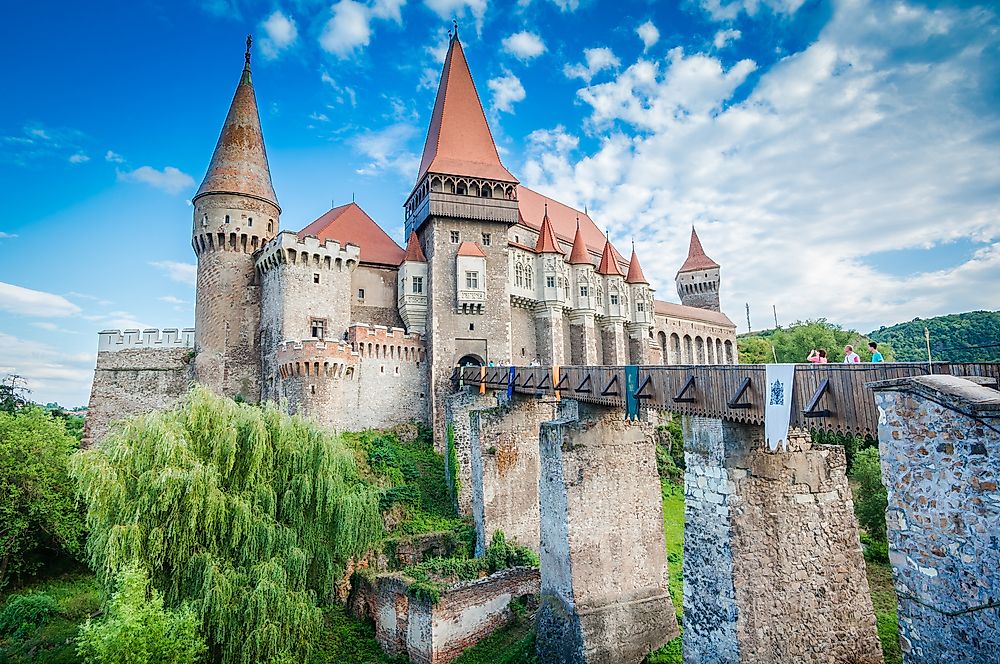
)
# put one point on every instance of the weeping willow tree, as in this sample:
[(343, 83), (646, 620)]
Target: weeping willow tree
[(246, 514)]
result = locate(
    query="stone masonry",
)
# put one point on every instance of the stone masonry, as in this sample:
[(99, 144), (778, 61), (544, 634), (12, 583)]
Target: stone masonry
[(457, 408), (939, 439), (773, 567), (604, 591)]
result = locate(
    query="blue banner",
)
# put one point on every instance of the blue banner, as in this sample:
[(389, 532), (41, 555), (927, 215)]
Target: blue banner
[(510, 383), (631, 387)]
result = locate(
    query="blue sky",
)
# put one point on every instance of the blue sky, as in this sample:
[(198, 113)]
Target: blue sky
[(840, 159)]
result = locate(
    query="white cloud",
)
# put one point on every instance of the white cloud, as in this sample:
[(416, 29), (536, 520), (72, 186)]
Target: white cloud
[(524, 45), (344, 93), (280, 34), (348, 28), (28, 302), (52, 327), (449, 9), (648, 34), (387, 149), (597, 60), (50, 374), (170, 299), (114, 157), (798, 185), (507, 91), (185, 273), (724, 37), (7, 236), (720, 10), (78, 158), (170, 179), (319, 117), (567, 5), (389, 9)]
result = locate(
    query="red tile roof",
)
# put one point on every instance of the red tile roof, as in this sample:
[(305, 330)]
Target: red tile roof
[(697, 259), (635, 275), (414, 252), (350, 224), (608, 263), (239, 163), (459, 141), (579, 255), (547, 243), (672, 310), (470, 249)]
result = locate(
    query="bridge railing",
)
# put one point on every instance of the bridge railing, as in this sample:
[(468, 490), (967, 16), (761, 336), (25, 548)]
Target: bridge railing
[(832, 397)]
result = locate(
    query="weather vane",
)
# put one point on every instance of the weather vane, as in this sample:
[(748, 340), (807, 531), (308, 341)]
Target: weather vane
[(249, 41)]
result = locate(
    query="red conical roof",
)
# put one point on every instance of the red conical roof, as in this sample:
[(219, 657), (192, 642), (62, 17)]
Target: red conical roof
[(349, 224), (547, 242), (579, 254), (697, 259), (414, 252), (635, 275), (459, 141), (239, 163), (608, 263)]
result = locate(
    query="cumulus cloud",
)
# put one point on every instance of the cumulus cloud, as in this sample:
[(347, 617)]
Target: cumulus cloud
[(280, 34), (648, 34), (78, 158), (798, 185), (724, 37), (596, 60), (720, 10), (387, 149), (29, 302), (524, 45), (51, 374), (113, 157), (449, 9), (184, 273), (170, 179), (348, 29), (507, 91), (389, 9)]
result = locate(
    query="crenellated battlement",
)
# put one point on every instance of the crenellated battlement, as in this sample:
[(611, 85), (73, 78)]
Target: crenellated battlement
[(110, 341), (381, 342), (286, 248), (316, 358)]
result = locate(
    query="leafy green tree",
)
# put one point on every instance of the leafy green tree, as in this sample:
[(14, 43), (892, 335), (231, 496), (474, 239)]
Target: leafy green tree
[(754, 350), (244, 513), (13, 394), (39, 516), (973, 336), (870, 497), (138, 630), (794, 343)]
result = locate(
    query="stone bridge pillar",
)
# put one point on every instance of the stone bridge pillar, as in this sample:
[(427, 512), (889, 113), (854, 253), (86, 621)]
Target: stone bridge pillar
[(457, 407), (603, 554), (939, 438), (773, 568), (505, 461)]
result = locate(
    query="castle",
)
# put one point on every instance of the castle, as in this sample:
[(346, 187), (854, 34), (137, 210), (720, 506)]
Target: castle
[(352, 329)]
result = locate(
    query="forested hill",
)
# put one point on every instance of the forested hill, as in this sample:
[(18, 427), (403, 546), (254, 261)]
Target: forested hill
[(954, 338)]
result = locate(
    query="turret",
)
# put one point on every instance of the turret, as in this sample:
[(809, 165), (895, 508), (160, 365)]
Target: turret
[(550, 263), (411, 287), (698, 279), (235, 213), (582, 269), (616, 295), (642, 296)]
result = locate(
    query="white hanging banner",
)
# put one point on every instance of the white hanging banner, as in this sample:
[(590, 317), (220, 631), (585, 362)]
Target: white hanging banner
[(778, 411)]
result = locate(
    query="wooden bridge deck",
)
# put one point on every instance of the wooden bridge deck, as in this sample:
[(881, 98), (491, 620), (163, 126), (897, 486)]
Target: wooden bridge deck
[(832, 397)]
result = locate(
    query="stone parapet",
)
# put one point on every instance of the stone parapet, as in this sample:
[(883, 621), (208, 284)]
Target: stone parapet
[(315, 357), (111, 341), (287, 248)]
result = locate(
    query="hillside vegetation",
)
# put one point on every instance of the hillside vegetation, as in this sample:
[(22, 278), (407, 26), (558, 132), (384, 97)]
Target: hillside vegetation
[(954, 338)]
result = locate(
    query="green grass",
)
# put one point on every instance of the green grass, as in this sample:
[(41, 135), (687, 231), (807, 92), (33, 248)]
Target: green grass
[(884, 600), (347, 640), (673, 530), (77, 597)]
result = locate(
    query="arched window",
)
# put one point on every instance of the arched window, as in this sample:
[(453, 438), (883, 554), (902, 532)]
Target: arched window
[(519, 275), (729, 352), (675, 349), (688, 350), (699, 345), (661, 337)]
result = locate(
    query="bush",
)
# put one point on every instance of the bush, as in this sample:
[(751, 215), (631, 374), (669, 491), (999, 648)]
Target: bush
[(870, 498), (875, 551), (25, 613), (138, 629)]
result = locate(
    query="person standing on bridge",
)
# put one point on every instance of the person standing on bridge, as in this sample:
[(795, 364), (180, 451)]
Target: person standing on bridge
[(876, 356), (850, 357), (817, 356)]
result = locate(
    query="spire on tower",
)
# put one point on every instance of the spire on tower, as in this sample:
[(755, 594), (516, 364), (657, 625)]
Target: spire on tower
[(579, 254), (608, 265), (697, 259), (635, 275), (414, 252), (547, 242), (239, 163)]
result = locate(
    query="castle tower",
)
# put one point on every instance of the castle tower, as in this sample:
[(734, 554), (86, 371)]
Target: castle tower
[(411, 287), (698, 279), (615, 308), (583, 332), (641, 313), (235, 213), (550, 264), (461, 207)]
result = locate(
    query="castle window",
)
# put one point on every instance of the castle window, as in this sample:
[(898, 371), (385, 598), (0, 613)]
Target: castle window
[(486, 239), (361, 293), (316, 326), (584, 291), (418, 285), (250, 221), (227, 218), (472, 280), (550, 282), (640, 306), (460, 189), (528, 278), (270, 223), (454, 237), (316, 277), (312, 389), (614, 299), (519, 275), (517, 239), (472, 327)]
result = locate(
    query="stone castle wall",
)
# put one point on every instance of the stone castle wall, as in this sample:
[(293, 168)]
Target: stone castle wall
[(379, 305), (137, 373)]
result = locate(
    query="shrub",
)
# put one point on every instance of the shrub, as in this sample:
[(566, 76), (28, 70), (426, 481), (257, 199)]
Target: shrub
[(875, 551), (870, 498), (25, 613), (138, 629)]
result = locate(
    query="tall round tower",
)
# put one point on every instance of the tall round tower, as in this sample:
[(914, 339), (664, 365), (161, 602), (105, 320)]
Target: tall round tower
[(235, 213), (698, 279)]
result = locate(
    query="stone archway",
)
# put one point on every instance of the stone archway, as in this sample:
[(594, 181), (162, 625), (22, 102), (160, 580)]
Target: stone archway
[(471, 360)]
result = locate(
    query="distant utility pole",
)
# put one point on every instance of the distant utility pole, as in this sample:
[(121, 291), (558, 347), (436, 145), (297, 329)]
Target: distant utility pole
[(927, 339), (748, 317), (775, 310)]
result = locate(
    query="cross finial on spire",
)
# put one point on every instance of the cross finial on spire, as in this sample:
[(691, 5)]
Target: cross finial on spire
[(247, 54), (546, 208), (454, 28)]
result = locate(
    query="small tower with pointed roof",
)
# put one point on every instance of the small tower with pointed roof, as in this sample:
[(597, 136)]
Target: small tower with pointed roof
[(584, 285), (698, 279), (615, 307), (411, 287), (235, 213)]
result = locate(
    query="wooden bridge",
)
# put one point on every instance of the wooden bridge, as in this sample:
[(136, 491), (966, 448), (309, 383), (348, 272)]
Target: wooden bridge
[(832, 397)]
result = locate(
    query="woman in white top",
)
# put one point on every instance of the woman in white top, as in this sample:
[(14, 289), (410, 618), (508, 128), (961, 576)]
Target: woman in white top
[(850, 357)]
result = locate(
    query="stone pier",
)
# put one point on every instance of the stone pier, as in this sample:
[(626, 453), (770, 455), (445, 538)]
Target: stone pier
[(773, 567), (604, 596), (504, 456), (939, 439), (457, 407)]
